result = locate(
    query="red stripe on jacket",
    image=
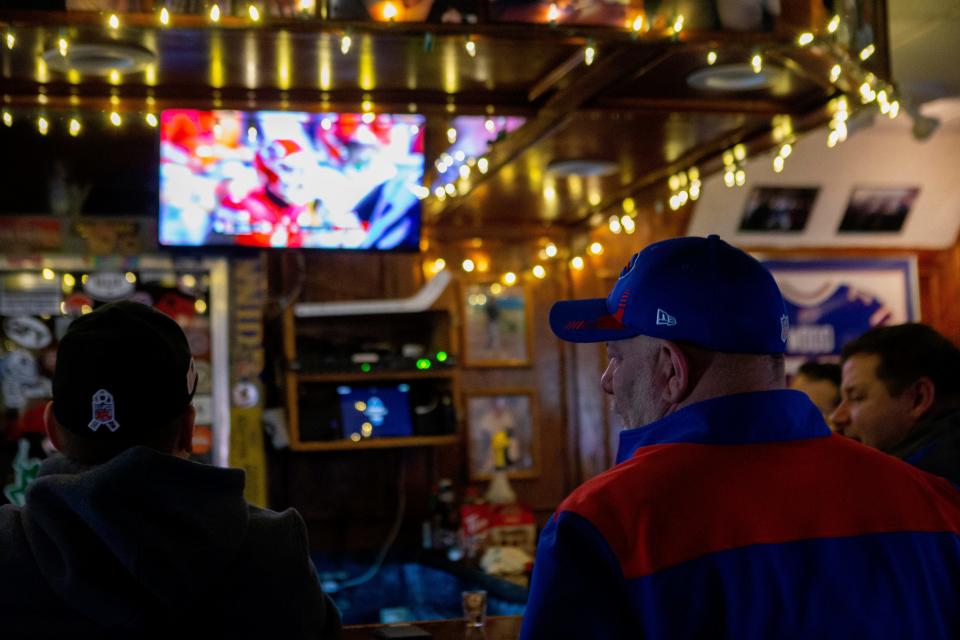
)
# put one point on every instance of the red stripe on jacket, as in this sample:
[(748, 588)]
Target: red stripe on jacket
[(671, 503)]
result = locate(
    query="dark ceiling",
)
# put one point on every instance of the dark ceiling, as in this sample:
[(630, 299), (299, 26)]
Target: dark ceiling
[(632, 106)]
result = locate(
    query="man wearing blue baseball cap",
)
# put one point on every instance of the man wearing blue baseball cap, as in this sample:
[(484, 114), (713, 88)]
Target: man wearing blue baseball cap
[(732, 511)]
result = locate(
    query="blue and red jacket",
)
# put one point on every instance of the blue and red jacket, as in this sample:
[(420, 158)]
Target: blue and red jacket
[(743, 517)]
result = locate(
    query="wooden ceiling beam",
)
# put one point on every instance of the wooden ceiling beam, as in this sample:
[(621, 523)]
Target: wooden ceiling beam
[(557, 110)]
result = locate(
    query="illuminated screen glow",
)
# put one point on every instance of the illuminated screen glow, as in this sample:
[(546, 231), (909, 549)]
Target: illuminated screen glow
[(290, 179)]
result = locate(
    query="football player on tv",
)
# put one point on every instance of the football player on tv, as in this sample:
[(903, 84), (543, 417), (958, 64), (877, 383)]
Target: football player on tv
[(288, 207)]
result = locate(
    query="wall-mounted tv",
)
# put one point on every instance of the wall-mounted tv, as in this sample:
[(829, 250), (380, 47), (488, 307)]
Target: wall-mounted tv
[(291, 179)]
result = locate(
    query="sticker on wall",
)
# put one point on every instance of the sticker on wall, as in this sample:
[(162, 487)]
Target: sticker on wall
[(204, 379), (245, 394), (19, 365), (28, 294), (203, 405), (27, 332), (109, 285)]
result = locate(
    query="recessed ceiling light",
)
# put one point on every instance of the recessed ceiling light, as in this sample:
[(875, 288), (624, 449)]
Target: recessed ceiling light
[(734, 77), (100, 58), (585, 167)]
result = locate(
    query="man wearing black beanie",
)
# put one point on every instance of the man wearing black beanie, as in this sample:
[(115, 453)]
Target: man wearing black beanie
[(121, 535)]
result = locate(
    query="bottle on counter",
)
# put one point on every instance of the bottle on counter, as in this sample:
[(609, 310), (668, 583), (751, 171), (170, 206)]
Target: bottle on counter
[(500, 491)]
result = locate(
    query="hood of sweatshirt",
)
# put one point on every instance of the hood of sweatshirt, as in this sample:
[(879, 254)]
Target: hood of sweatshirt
[(133, 541)]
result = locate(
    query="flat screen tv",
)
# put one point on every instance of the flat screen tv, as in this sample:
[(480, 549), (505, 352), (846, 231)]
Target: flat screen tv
[(375, 411), (290, 179)]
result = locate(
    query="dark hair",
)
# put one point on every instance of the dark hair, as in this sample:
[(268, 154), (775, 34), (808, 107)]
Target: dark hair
[(829, 371), (909, 352)]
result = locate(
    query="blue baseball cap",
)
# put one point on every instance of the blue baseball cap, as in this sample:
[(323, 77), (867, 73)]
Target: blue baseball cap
[(697, 290)]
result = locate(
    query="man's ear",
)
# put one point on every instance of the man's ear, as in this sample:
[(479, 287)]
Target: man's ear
[(924, 395), (674, 366), (52, 427), (185, 434)]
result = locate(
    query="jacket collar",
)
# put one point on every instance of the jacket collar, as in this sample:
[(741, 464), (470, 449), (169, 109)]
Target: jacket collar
[(743, 418)]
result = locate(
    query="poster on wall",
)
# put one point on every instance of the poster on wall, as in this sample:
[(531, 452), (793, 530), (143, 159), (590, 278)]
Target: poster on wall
[(831, 301)]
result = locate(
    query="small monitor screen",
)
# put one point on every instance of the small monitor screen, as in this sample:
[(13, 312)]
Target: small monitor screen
[(291, 179), (375, 411)]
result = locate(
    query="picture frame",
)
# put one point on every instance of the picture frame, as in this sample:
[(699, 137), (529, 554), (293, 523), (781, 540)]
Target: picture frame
[(778, 209), (832, 301), (878, 209), (496, 325), (511, 409)]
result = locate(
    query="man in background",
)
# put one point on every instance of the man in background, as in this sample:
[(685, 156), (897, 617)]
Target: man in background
[(821, 382), (121, 535), (901, 394), (732, 512)]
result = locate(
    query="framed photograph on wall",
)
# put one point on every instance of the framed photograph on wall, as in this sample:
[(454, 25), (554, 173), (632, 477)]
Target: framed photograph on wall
[(778, 209), (512, 412), (833, 301), (496, 326), (878, 209)]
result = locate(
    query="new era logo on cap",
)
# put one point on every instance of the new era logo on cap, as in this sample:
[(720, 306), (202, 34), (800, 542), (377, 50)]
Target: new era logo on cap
[(665, 319)]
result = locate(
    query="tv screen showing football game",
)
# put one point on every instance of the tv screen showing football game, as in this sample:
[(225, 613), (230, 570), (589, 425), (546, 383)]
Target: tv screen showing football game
[(291, 179)]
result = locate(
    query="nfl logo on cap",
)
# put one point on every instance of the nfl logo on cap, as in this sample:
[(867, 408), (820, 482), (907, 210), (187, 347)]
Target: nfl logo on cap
[(103, 411)]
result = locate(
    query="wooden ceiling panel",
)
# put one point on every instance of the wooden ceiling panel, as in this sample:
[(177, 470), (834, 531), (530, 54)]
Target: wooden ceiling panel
[(525, 191)]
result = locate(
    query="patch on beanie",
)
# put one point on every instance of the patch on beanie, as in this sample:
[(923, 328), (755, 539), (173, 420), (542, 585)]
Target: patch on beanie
[(103, 411)]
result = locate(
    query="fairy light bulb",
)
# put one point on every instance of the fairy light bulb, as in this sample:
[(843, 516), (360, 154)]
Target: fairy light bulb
[(509, 278), (757, 63), (389, 12), (151, 120), (164, 17), (215, 13), (834, 24), (550, 250), (711, 57), (577, 263), (553, 13), (113, 21), (589, 54), (43, 126), (468, 265), (63, 46), (471, 48), (835, 73), (74, 127), (539, 272), (805, 38), (867, 51), (345, 43), (596, 248), (115, 119), (254, 13)]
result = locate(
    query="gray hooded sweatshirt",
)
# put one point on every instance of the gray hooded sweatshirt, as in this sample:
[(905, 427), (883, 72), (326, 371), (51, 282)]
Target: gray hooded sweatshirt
[(151, 545)]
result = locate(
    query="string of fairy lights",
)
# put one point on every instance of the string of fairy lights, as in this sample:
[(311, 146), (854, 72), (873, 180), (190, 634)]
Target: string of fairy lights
[(684, 186)]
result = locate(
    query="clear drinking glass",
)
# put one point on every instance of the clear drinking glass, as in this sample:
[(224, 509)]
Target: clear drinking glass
[(475, 607)]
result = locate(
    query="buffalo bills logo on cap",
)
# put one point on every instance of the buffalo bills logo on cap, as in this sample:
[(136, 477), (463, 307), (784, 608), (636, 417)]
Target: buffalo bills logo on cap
[(103, 411)]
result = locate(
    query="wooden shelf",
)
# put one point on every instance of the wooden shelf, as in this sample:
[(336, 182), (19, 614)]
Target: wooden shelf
[(374, 376), (375, 443)]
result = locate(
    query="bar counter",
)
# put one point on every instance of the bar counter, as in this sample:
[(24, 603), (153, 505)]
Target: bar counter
[(497, 628)]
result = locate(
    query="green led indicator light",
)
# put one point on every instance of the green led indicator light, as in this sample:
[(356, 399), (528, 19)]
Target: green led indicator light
[(441, 356), (423, 363), (365, 367)]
